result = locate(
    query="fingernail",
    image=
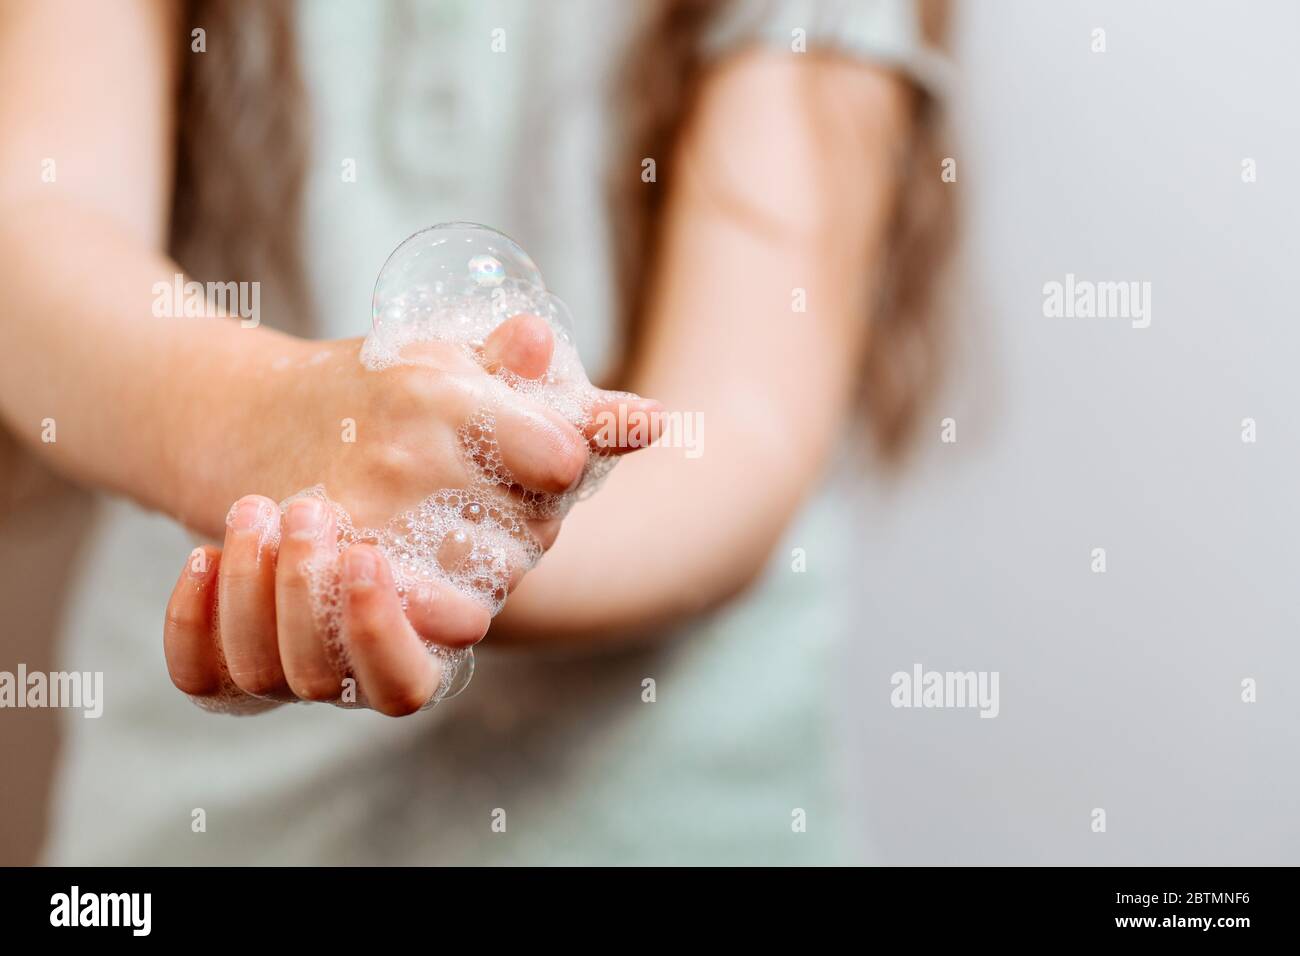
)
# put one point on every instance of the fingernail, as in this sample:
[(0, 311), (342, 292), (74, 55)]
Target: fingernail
[(359, 566), (249, 515), (304, 518)]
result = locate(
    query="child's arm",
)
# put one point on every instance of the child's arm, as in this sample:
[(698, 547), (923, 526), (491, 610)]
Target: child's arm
[(785, 181), (244, 628), (184, 414)]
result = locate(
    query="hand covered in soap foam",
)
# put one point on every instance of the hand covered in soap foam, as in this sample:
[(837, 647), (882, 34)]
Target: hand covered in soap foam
[(304, 597)]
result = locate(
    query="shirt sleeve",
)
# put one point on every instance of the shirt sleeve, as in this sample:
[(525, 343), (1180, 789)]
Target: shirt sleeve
[(885, 32)]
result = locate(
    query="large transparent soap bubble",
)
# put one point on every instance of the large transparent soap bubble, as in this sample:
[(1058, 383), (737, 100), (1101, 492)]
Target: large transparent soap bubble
[(461, 254), (456, 282)]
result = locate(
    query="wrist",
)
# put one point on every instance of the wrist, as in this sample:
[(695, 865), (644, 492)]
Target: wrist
[(222, 441)]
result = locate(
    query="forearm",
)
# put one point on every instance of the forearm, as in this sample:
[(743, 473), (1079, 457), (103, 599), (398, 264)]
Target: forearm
[(759, 397), (664, 540), (680, 528), (110, 394)]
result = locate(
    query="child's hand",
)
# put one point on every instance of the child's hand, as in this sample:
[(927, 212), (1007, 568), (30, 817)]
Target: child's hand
[(241, 632), (382, 441)]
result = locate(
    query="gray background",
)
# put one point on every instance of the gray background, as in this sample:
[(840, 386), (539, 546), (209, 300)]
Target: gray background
[(1120, 690)]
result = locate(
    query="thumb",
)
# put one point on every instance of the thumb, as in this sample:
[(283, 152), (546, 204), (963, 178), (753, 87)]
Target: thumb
[(522, 343), (622, 422)]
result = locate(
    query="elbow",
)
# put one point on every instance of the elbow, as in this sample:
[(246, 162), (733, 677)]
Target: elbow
[(722, 572), (735, 576)]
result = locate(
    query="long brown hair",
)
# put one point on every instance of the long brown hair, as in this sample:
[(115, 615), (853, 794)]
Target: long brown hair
[(242, 156), (243, 136)]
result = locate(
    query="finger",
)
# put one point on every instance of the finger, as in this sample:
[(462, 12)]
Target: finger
[(307, 550), (531, 541), (246, 595), (188, 642), (454, 548), (394, 669), (545, 531), (441, 615), (523, 344), (539, 449), (624, 423)]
